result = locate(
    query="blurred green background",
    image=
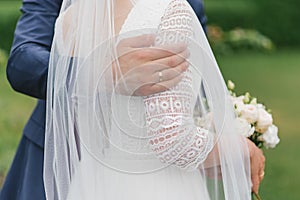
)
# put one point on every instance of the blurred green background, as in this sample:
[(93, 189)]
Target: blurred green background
[(257, 45)]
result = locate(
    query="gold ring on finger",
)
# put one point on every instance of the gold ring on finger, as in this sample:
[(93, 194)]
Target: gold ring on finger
[(160, 75)]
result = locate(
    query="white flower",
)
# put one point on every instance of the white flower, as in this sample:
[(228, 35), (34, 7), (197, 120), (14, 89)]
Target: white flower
[(270, 137), (264, 121), (260, 106), (238, 103), (244, 128), (250, 113)]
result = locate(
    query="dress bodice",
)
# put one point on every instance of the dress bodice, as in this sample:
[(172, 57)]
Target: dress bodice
[(129, 132), (163, 122), (146, 15)]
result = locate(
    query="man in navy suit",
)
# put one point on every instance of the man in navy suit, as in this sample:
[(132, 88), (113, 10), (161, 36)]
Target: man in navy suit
[(27, 73)]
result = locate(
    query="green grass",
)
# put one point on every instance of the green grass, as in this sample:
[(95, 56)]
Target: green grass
[(9, 14), (9, 6), (15, 109)]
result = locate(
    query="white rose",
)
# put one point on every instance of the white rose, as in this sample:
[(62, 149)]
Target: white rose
[(243, 127), (260, 106), (264, 121), (238, 103), (250, 113), (270, 137)]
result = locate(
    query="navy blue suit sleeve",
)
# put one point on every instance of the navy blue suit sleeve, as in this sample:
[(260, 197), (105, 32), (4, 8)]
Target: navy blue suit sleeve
[(27, 66), (198, 7)]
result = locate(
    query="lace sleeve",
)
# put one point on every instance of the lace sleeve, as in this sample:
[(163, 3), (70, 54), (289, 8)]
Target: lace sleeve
[(169, 115)]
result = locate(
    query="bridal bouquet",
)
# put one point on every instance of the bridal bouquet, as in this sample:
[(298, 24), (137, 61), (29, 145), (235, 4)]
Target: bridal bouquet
[(255, 121)]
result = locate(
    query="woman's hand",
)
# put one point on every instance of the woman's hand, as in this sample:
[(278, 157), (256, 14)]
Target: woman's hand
[(148, 70), (257, 161)]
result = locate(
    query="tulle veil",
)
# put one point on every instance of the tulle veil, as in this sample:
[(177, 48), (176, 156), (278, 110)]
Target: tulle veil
[(96, 131)]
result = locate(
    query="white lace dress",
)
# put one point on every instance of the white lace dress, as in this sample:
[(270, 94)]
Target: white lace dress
[(164, 113)]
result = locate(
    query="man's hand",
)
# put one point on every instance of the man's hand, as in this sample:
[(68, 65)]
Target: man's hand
[(147, 70), (257, 160)]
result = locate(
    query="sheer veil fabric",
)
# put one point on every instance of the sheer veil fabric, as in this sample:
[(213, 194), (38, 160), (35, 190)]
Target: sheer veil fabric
[(104, 142)]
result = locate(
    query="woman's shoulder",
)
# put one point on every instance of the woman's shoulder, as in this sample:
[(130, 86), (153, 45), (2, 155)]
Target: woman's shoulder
[(178, 6)]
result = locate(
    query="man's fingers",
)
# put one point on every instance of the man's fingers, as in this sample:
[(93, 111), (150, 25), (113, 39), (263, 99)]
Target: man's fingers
[(151, 53), (174, 60), (165, 85), (159, 64), (158, 87), (145, 40), (170, 73), (166, 51), (164, 64)]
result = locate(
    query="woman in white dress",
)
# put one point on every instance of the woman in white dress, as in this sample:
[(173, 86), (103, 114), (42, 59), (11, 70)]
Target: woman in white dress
[(107, 140)]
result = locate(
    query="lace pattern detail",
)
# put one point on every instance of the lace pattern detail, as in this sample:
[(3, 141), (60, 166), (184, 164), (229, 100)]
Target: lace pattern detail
[(169, 115)]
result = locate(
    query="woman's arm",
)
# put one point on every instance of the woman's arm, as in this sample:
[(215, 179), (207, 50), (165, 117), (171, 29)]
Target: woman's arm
[(169, 115), (174, 137)]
